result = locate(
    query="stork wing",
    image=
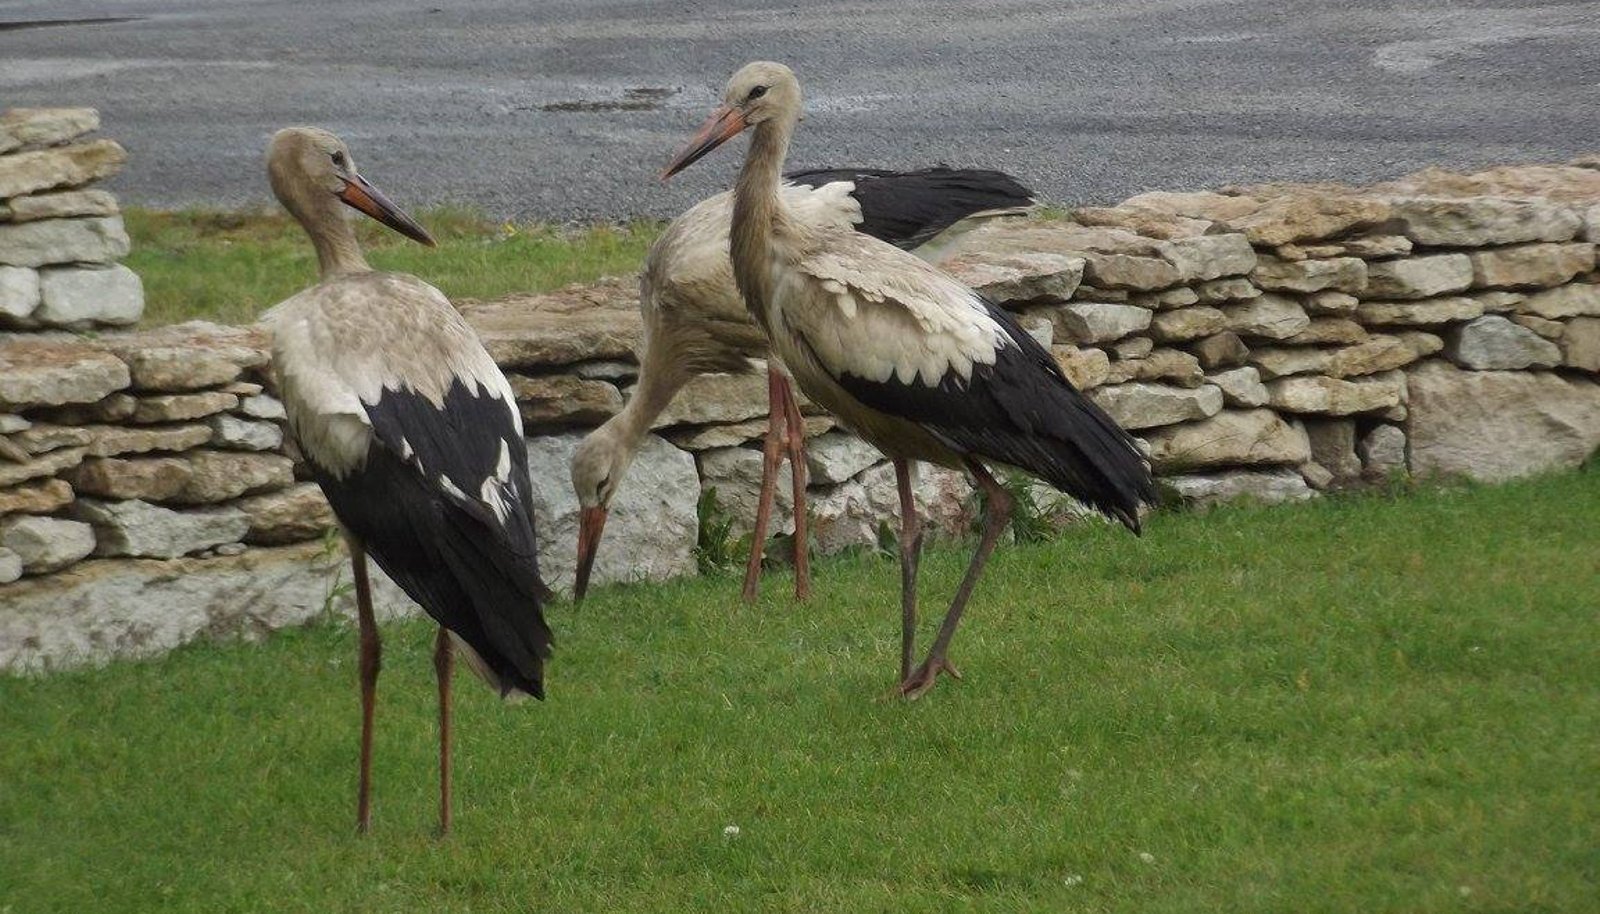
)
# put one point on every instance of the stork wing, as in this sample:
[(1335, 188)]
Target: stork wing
[(908, 341), (907, 208)]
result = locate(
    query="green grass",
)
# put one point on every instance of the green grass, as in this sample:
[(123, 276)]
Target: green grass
[(231, 266), (1363, 704)]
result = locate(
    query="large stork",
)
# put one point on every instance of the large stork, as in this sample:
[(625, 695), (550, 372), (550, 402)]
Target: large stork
[(412, 433), (912, 360), (695, 323)]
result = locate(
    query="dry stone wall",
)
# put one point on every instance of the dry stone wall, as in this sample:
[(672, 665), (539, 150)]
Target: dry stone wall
[(60, 238), (1269, 342)]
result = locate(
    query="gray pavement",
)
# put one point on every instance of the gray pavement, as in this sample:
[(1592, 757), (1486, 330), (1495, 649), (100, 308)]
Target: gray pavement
[(565, 110)]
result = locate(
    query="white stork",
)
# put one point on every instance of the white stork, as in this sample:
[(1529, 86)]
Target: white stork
[(912, 360), (412, 433), (695, 323)]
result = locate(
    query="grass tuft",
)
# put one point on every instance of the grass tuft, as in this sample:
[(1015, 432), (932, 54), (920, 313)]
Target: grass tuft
[(1355, 704)]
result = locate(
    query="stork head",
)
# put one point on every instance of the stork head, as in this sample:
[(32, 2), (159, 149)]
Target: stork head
[(759, 93), (597, 469), (310, 168)]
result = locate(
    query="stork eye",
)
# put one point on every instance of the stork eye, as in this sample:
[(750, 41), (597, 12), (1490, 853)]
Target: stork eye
[(340, 160), (756, 93)]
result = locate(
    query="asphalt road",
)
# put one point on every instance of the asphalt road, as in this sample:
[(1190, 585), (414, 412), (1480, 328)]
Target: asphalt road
[(566, 109)]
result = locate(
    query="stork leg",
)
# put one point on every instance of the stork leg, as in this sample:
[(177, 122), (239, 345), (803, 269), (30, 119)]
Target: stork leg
[(371, 661), (797, 471), (444, 665), (771, 457), (910, 553), (996, 515)]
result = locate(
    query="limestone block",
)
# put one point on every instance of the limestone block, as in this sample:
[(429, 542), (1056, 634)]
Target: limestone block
[(19, 296), (59, 167), (21, 127), (1230, 438), (1221, 350), (1580, 344), (1138, 405), (137, 528), (1341, 274), (39, 497), (1531, 266), (837, 456), (1493, 343), (1014, 277), (1172, 365), (1268, 487), (97, 239), (1383, 451), (1418, 277), (218, 476), (1241, 387), (1187, 324), (1479, 221), (564, 400), (233, 433), (145, 478), (1571, 300), (1099, 322), (291, 515), (1333, 396), (1084, 368), (63, 205), (1270, 316), (48, 372), (46, 544), (1496, 425), (76, 296)]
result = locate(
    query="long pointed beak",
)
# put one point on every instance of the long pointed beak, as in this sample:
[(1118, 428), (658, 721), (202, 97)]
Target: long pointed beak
[(360, 194), (724, 124), (591, 524)]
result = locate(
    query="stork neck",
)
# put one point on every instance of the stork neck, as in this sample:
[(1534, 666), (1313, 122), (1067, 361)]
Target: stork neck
[(335, 240), (757, 208)]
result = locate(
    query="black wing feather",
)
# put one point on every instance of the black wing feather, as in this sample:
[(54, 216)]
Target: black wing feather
[(1023, 411), (906, 208), (476, 575)]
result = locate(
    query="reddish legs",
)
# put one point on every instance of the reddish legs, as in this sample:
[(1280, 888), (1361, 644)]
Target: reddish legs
[(371, 661), (786, 436)]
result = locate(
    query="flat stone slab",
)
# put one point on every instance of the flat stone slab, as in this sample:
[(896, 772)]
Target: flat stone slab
[(574, 324), (21, 127), (94, 239), (122, 609), (59, 167), (50, 372)]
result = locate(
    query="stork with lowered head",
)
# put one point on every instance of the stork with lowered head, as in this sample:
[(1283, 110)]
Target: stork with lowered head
[(695, 323)]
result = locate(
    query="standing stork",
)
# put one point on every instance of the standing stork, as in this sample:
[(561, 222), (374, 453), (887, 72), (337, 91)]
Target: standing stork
[(912, 360), (412, 433), (695, 323)]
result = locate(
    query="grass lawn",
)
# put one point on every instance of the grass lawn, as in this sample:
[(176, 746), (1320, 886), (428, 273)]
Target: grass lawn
[(1361, 704), (231, 266)]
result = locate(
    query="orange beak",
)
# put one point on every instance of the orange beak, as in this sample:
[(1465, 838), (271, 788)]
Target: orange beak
[(591, 524), (361, 195), (724, 124)]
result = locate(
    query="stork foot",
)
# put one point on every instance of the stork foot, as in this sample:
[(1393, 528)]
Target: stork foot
[(925, 676)]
